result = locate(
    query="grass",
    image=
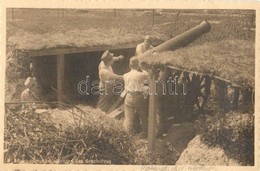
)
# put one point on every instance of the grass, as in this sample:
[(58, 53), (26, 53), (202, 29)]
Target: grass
[(234, 132), (34, 29), (52, 137), (77, 38), (78, 29), (233, 60)]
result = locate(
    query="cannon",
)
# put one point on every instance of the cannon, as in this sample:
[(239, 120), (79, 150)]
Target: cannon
[(155, 114), (172, 44), (180, 40)]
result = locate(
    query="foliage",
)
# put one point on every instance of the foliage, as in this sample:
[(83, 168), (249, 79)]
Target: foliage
[(234, 132), (17, 65), (33, 138)]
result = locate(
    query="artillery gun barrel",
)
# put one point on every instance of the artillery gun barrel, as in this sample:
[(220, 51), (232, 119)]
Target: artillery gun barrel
[(180, 40)]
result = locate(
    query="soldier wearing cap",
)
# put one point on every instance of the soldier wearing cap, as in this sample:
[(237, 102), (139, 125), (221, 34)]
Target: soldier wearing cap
[(146, 45), (30, 93), (107, 78), (135, 101)]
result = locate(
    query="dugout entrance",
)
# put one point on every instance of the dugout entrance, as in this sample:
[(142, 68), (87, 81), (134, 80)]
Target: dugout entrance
[(63, 69)]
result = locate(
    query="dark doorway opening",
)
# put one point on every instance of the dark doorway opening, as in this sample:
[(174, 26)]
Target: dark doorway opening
[(79, 67)]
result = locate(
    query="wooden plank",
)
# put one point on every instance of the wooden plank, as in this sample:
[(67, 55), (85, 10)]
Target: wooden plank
[(71, 50), (202, 74), (118, 102), (60, 76), (235, 99), (184, 70), (12, 14), (152, 116), (153, 16), (222, 95), (117, 113)]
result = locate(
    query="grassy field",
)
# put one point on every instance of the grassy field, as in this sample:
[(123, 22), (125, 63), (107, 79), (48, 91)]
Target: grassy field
[(228, 59), (42, 28)]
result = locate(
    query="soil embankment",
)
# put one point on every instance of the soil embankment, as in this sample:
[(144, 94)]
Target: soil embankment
[(198, 153)]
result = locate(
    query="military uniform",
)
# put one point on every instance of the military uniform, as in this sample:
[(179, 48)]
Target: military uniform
[(142, 47), (107, 77), (136, 112)]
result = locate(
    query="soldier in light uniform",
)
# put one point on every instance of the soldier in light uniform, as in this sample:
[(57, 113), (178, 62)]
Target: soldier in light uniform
[(31, 91), (107, 77), (142, 47), (135, 103), (31, 94)]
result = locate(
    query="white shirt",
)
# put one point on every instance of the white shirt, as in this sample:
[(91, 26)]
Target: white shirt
[(141, 48), (135, 81), (105, 74)]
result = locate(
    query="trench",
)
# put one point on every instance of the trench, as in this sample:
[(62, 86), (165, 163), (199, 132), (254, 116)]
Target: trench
[(80, 65)]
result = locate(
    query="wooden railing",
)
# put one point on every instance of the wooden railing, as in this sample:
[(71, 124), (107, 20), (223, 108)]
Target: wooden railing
[(199, 86)]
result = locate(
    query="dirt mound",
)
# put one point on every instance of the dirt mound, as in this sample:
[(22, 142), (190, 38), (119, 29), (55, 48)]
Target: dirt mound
[(198, 153)]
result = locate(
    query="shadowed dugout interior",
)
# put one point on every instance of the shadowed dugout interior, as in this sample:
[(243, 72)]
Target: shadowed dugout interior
[(77, 66)]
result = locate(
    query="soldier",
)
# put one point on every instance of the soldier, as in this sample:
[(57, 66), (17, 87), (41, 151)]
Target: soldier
[(146, 45), (135, 102), (107, 78), (31, 94)]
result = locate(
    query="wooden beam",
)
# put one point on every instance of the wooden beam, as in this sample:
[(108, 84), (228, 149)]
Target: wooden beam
[(12, 14), (235, 98), (60, 76), (202, 74), (153, 16), (152, 115), (222, 95), (115, 13), (69, 50)]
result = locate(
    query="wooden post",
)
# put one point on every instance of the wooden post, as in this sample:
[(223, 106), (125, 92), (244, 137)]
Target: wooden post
[(247, 96), (152, 114), (115, 13), (153, 16), (60, 76), (222, 95), (12, 14), (207, 86), (235, 98)]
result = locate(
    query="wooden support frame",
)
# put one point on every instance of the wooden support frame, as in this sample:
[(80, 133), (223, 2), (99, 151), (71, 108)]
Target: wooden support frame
[(60, 76), (235, 98), (71, 50), (152, 114), (215, 77), (222, 95)]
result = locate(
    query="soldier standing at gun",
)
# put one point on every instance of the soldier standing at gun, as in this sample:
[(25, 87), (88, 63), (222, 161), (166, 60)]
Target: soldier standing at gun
[(142, 47), (135, 102), (107, 77)]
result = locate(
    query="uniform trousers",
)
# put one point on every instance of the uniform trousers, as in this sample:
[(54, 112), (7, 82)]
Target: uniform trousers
[(136, 113)]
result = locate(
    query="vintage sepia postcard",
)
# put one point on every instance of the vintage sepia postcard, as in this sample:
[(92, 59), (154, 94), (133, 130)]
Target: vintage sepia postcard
[(129, 85)]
